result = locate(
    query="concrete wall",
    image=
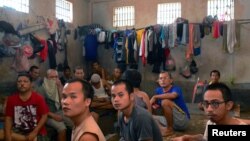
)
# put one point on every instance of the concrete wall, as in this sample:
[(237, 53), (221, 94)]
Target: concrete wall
[(45, 8), (234, 67)]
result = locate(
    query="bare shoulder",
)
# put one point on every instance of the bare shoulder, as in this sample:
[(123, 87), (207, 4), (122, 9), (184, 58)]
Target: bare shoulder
[(143, 94), (89, 137), (105, 83)]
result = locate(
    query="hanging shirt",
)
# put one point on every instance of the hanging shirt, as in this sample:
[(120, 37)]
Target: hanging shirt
[(91, 45)]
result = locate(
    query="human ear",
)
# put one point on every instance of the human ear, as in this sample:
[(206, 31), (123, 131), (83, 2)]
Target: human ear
[(132, 97), (229, 105), (87, 101)]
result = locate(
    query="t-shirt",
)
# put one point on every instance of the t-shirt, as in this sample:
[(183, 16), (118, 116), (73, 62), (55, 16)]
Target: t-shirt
[(141, 126), (91, 46), (26, 114), (179, 101)]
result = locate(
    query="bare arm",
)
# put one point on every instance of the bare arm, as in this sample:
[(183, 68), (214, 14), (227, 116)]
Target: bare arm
[(96, 103), (104, 74), (40, 124), (147, 101), (198, 137), (170, 96), (55, 116), (107, 86), (89, 137), (7, 128)]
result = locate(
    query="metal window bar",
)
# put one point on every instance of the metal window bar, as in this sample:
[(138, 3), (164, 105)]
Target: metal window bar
[(123, 16), (223, 9), (168, 12), (63, 10), (19, 5)]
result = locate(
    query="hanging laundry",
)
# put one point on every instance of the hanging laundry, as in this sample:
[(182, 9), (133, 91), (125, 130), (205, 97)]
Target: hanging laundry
[(7, 51), (142, 48), (231, 36), (197, 40), (44, 53), (189, 51), (139, 34), (216, 29), (172, 35), (20, 62), (119, 50), (51, 54), (91, 45), (52, 25), (224, 40), (185, 34), (7, 27)]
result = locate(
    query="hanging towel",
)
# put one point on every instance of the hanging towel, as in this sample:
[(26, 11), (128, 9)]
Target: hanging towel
[(190, 47), (184, 39), (231, 36), (139, 34), (197, 40), (224, 42), (216, 27)]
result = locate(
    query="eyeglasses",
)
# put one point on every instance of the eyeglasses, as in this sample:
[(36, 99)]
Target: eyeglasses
[(214, 104)]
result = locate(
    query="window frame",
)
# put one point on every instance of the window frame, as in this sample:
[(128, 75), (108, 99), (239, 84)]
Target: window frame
[(163, 12), (67, 17), (227, 15), (121, 17), (18, 5)]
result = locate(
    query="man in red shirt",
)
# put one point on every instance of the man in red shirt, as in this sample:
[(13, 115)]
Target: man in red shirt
[(26, 113)]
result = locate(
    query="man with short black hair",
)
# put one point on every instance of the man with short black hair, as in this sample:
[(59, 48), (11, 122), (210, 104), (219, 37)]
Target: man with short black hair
[(217, 103), (66, 75), (79, 72), (26, 113), (76, 99), (34, 72), (135, 122), (214, 76)]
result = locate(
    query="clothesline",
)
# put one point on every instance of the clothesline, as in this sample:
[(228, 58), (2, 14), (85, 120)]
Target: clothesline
[(242, 21)]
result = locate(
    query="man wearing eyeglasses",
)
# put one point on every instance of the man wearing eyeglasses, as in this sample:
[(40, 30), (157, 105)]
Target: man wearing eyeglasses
[(217, 103)]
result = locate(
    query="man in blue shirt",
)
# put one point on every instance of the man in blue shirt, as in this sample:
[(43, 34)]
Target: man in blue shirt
[(170, 99)]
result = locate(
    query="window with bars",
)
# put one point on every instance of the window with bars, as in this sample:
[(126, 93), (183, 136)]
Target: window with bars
[(167, 13), (124, 16), (64, 10), (18, 5), (222, 9)]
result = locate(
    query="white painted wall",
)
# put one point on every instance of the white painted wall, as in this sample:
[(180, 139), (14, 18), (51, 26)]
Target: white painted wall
[(45, 8), (234, 66)]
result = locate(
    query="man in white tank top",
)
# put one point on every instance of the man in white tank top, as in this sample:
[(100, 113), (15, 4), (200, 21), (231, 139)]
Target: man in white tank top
[(101, 93)]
